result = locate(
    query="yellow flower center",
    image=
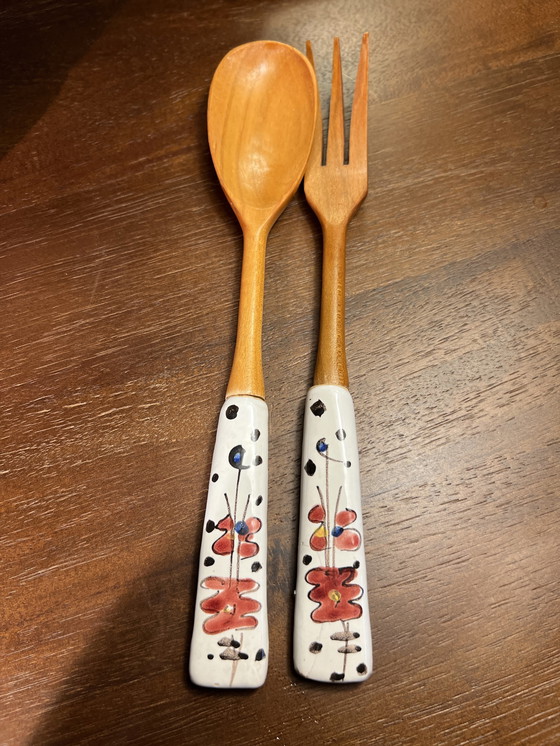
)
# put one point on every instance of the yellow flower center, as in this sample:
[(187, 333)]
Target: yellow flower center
[(335, 596)]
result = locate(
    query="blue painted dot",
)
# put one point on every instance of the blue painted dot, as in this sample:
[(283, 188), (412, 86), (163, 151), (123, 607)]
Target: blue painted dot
[(322, 446), (242, 528), (236, 456), (337, 530)]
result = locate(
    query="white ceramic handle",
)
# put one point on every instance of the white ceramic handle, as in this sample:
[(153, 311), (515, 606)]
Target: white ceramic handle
[(229, 647), (332, 635)]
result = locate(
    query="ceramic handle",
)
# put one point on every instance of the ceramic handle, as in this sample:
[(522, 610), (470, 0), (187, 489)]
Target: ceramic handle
[(332, 635), (229, 646)]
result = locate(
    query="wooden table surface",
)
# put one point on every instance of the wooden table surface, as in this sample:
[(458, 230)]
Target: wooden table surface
[(120, 265)]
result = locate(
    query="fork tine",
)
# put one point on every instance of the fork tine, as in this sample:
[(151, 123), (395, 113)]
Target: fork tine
[(316, 154), (358, 123), (335, 142)]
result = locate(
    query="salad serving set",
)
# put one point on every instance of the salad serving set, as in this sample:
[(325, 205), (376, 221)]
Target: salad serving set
[(265, 135)]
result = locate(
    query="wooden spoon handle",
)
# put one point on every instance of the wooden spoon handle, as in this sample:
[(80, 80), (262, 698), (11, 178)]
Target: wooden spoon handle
[(229, 646), (246, 375), (332, 636)]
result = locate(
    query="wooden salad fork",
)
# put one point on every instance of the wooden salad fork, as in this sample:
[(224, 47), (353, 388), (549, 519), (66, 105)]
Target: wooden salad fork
[(332, 635)]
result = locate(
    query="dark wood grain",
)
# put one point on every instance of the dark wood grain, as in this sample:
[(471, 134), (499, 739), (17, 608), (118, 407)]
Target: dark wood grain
[(119, 271)]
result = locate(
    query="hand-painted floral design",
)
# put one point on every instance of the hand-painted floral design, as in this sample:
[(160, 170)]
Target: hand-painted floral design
[(229, 606), (345, 538), (244, 530), (334, 592)]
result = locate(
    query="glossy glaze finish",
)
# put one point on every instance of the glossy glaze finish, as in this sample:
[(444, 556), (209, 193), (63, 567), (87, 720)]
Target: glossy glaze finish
[(332, 635), (229, 646)]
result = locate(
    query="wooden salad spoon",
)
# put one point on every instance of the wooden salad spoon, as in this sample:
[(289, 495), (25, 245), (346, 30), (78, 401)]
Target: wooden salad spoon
[(261, 118)]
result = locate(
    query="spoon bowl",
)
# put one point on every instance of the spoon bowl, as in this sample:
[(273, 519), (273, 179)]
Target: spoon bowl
[(261, 112)]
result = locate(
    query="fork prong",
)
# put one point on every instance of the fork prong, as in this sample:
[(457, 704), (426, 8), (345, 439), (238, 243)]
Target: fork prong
[(316, 154), (358, 123), (335, 141)]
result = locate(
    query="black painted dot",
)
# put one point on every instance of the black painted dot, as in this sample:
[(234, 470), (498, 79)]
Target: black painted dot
[(235, 643), (243, 656), (255, 435), (209, 561), (210, 526), (356, 635), (310, 468), (315, 647), (318, 408), (340, 434), (257, 461), (348, 463), (231, 411), (337, 677), (356, 565), (258, 501), (210, 656), (306, 559), (260, 655), (256, 566), (358, 649), (362, 668), (215, 477)]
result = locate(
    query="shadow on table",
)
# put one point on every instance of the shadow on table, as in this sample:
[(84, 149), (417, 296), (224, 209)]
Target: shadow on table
[(111, 692), (40, 44), (130, 682)]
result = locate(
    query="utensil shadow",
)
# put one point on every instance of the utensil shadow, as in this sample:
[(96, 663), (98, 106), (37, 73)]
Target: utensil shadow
[(106, 698), (40, 45)]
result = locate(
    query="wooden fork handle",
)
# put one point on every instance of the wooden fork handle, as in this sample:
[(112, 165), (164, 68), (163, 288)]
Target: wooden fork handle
[(330, 366), (229, 646), (332, 636)]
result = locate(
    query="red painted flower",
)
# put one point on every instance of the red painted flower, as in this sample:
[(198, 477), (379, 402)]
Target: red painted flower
[(229, 606), (344, 538), (335, 594), (244, 531)]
